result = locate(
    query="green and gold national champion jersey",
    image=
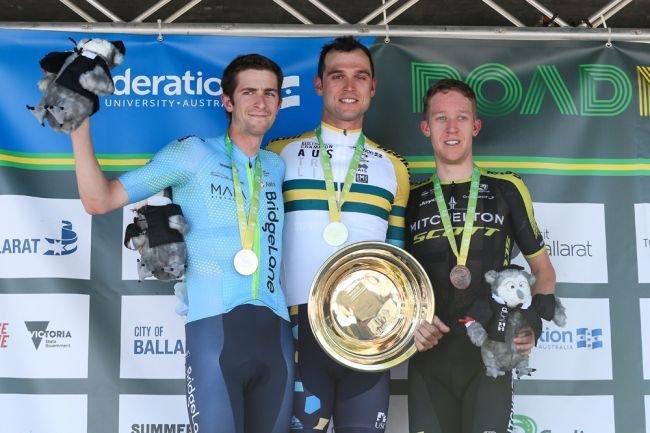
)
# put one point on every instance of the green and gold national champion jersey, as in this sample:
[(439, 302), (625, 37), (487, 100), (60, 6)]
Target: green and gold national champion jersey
[(373, 210)]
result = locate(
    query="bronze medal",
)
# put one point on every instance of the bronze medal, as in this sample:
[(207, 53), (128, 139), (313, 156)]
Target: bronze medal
[(460, 277)]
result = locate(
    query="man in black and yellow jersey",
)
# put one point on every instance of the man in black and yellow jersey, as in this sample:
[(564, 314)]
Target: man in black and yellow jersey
[(339, 188), (485, 214)]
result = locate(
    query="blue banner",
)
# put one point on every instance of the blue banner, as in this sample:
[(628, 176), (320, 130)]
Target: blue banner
[(164, 90)]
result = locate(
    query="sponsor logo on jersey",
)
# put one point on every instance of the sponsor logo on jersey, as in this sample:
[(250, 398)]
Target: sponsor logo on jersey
[(192, 407), (362, 174), (295, 424), (273, 238), (435, 221), (380, 423), (224, 192), (361, 178), (221, 175)]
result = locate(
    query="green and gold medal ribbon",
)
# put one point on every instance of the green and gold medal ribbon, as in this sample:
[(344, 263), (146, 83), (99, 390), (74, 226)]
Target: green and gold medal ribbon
[(246, 225), (334, 205), (469, 216)]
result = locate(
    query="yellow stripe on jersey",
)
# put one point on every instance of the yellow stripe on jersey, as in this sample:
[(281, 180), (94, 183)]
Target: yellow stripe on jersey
[(523, 191)]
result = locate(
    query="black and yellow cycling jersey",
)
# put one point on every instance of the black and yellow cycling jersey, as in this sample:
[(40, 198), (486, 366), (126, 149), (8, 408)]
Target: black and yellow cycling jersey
[(504, 217)]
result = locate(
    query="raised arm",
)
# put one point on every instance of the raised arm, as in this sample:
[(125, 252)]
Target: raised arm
[(98, 194)]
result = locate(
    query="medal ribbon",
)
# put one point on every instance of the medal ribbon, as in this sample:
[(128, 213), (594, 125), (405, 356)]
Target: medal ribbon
[(246, 226), (469, 216), (333, 205)]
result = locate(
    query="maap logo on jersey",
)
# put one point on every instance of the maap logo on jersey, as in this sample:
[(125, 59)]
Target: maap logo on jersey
[(54, 338), (191, 89), (44, 238)]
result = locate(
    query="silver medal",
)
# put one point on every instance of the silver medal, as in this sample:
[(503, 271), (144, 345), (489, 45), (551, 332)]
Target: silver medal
[(245, 262)]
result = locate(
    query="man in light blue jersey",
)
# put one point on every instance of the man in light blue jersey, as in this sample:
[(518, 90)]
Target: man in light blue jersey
[(239, 358)]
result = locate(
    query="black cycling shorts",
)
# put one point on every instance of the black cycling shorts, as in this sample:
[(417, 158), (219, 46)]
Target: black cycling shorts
[(449, 391), (358, 402), (239, 372)]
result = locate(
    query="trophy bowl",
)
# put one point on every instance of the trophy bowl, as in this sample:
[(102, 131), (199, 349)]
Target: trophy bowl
[(365, 304)]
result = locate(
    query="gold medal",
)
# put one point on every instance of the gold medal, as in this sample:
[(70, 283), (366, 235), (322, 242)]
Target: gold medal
[(335, 234)]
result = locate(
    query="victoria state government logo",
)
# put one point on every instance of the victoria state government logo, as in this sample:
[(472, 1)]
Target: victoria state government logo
[(53, 338)]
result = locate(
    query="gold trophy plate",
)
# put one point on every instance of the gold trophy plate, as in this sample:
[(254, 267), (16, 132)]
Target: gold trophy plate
[(365, 304)]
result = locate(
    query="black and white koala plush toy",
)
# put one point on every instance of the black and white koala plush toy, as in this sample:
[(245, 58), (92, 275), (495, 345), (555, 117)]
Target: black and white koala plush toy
[(73, 80), (157, 234), (494, 323)]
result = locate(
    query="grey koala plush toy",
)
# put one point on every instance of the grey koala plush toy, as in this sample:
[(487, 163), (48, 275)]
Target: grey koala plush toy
[(73, 80), (157, 234), (511, 308)]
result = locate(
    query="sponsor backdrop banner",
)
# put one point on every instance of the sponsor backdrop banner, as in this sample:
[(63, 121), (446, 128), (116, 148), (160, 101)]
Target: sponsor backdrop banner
[(573, 118)]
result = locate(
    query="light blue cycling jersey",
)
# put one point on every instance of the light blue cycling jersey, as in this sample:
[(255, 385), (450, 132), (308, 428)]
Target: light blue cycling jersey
[(199, 172)]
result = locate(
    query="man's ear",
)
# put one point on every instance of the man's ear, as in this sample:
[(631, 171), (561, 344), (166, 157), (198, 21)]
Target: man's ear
[(228, 103), (318, 85), (477, 127), (424, 127)]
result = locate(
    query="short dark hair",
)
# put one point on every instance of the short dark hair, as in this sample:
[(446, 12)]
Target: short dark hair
[(445, 86), (345, 44), (244, 63)]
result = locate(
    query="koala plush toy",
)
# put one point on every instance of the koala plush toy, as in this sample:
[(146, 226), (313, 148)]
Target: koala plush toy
[(511, 308), (157, 234), (73, 80)]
